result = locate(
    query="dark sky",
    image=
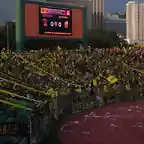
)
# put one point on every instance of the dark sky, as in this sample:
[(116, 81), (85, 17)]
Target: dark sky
[(115, 5), (7, 8)]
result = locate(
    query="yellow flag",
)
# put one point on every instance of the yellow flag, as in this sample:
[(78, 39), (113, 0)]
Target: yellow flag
[(124, 50), (112, 79), (53, 94), (94, 82), (58, 48), (105, 88), (100, 75), (101, 102), (56, 93), (78, 90), (50, 91)]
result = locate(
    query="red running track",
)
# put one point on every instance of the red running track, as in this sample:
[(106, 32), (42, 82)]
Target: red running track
[(121, 123)]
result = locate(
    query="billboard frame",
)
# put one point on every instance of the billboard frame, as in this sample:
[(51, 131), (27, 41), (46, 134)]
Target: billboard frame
[(20, 24)]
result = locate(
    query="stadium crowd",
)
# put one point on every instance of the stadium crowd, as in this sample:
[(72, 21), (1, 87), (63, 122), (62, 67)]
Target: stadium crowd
[(101, 74), (67, 70)]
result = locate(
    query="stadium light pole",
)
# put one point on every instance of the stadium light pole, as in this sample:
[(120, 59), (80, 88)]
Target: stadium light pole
[(7, 29), (20, 25), (8, 34)]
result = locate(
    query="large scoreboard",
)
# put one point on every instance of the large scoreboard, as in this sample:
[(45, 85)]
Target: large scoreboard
[(55, 21), (49, 21)]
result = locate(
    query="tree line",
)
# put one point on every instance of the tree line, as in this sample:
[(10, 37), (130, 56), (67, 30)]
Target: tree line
[(97, 38)]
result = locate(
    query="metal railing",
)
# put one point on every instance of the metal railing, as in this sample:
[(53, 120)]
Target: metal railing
[(45, 122)]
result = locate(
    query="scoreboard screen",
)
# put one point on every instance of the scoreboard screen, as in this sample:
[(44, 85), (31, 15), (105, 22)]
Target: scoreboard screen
[(55, 21)]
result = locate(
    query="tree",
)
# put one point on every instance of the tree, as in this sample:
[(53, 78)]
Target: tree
[(102, 38)]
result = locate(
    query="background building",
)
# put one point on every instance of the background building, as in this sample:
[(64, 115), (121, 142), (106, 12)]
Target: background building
[(135, 21), (115, 22), (132, 21), (97, 13), (141, 22), (95, 10)]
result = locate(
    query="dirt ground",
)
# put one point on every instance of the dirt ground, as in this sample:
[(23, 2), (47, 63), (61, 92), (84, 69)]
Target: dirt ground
[(121, 123)]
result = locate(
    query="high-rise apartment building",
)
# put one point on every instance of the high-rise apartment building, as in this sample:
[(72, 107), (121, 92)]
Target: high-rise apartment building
[(97, 13), (141, 21), (132, 21), (135, 21)]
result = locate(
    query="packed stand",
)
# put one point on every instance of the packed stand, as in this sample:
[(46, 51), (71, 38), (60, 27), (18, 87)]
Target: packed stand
[(31, 79), (64, 70)]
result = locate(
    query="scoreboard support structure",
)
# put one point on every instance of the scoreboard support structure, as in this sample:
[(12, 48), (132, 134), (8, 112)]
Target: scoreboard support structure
[(20, 25)]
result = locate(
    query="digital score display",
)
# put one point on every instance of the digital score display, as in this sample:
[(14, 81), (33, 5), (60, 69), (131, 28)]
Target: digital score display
[(14, 129), (55, 21), (39, 22)]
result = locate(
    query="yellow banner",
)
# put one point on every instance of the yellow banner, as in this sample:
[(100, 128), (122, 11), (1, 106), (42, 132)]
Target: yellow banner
[(15, 105)]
